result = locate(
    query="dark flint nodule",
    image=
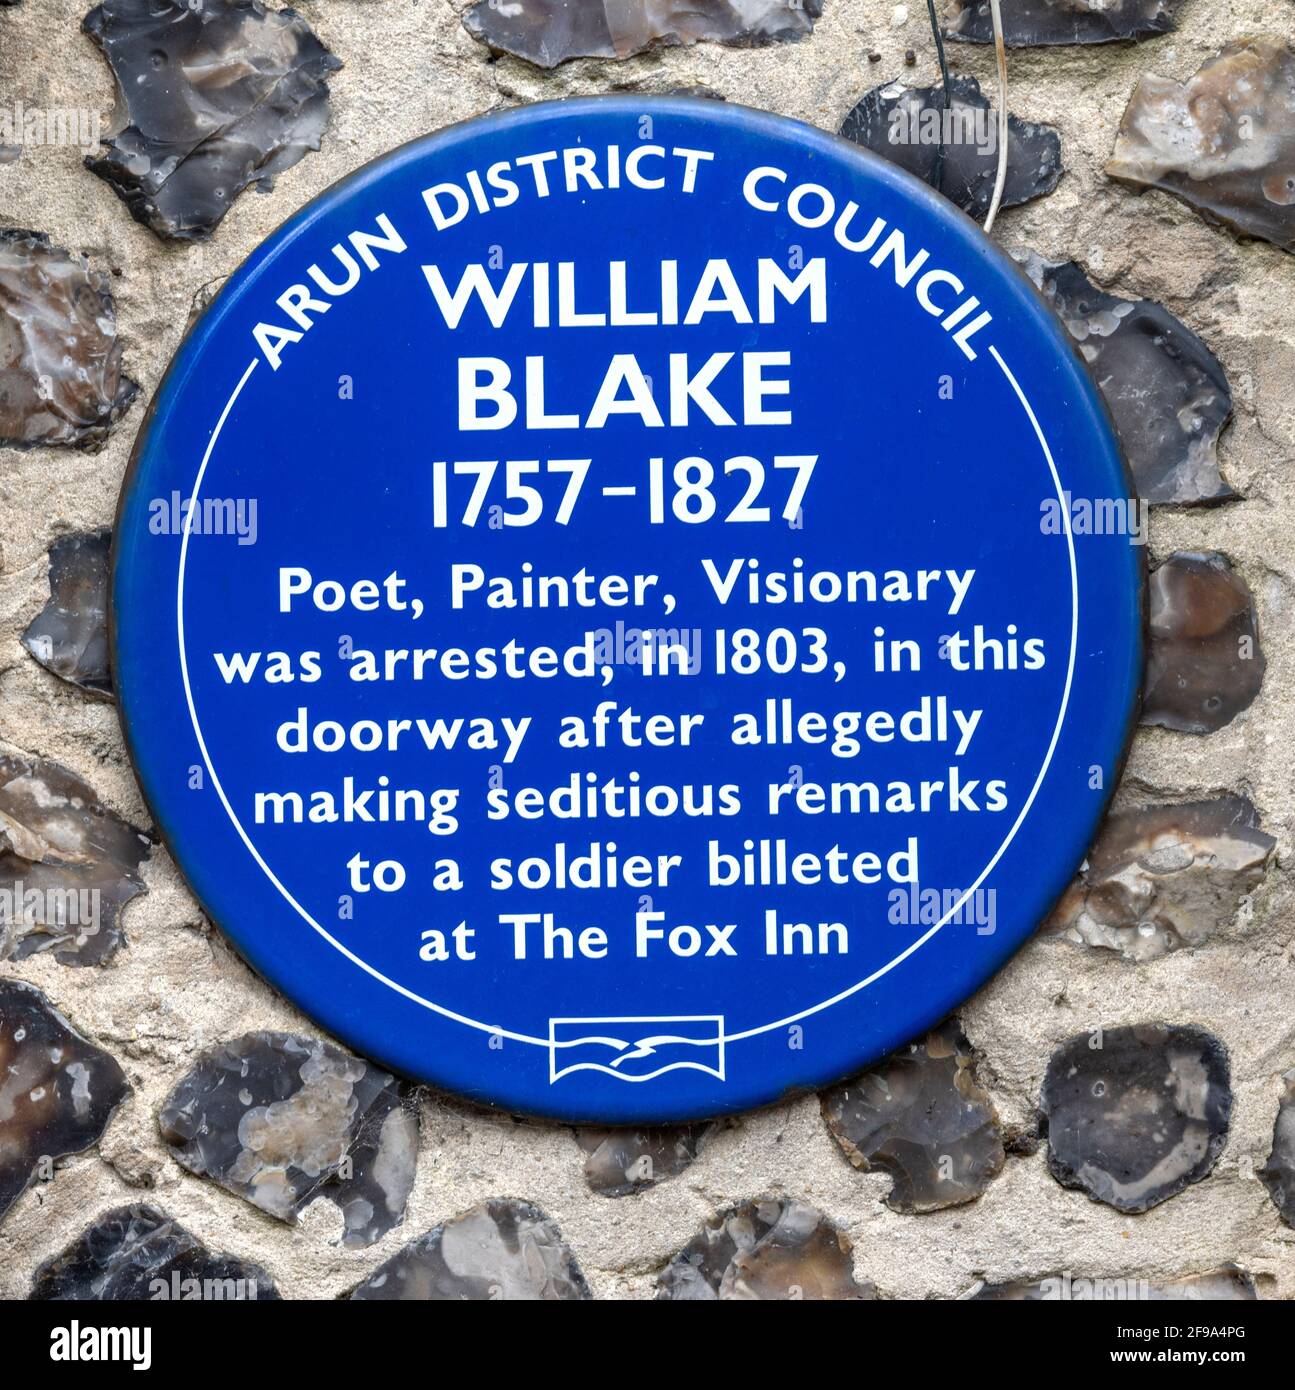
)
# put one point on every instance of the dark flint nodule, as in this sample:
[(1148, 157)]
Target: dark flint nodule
[(969, 163), (766, 1250), (68, 865), (69, 636), (1204, 661), (501, 1250), (1164, 877), (1227, 1284), (921, 1117), (549, 32), (136, 1254), (1167, 392), (60, 361), (281, 1120), (211, 98), (1223, 142), (1134, 1115), (1027, 23), (1278, 1174), (625, 1161), (57, 1091)]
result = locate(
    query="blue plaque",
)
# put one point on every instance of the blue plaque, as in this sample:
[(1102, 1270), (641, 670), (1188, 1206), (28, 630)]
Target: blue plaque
[(622, 609)]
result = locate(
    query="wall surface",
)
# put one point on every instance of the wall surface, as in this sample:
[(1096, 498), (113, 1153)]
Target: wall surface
[(178, 988)]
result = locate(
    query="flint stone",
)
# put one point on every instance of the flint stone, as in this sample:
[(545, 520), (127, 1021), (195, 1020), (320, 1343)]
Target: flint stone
[(57, 1091), (549, 32), (137, 1253), (1167, 392), (1278, 1174), (502, 1250), (283, 1120), (624, 1161), (768, 1249), (1134, 1121), (1223, 142), (1204, 661), (968, 163), (61, 380), (211, 98), (68, 865), (1164, 877), (921, 1116), (69, 636), (1042, 23)]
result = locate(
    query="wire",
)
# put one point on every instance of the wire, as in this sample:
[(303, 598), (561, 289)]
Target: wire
[(1001, 49), (938, 172)]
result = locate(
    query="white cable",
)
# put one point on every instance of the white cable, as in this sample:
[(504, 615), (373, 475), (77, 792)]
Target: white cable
[(1001, 49)]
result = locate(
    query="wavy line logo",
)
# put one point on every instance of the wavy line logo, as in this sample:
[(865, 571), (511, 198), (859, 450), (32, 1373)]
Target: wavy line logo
[(639, 1048)]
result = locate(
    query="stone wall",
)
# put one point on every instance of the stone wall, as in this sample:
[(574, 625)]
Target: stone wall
[(176, 990)]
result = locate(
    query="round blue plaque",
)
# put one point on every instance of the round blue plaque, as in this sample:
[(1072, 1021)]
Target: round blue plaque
[(627, 609)]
